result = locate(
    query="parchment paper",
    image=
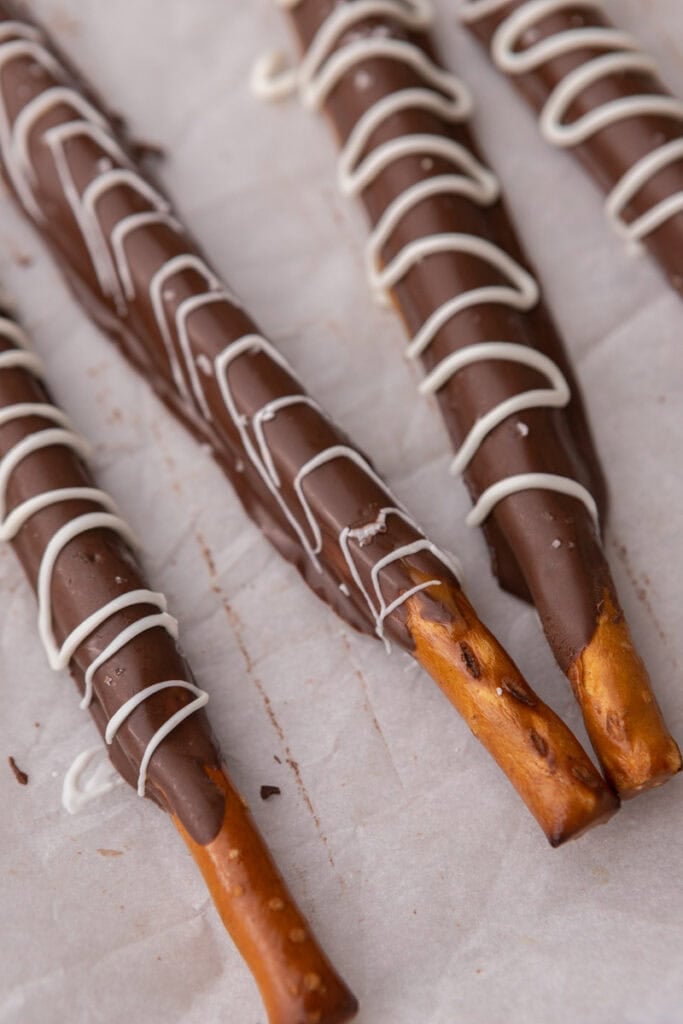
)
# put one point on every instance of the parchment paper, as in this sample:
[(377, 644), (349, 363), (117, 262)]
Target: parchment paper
[(426, 879)]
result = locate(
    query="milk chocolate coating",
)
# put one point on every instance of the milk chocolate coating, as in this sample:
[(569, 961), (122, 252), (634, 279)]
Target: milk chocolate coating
[(611, 152), (566, 581), (92, 570), (184, 775), (341, 493)]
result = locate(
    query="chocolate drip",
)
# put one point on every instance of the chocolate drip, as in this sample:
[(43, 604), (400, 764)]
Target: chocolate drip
[(615, 149), (143, 280), (543, 544), (95, 568)]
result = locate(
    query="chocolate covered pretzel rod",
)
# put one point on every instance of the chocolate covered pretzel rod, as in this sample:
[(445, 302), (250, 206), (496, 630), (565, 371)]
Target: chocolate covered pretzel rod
[(598, 94), (316, 497), (98, 617), (443, 248)]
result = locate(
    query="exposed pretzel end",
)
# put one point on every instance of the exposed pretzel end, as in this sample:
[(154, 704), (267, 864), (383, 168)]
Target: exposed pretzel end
[(621, 713), (298, 984), (542, 758)]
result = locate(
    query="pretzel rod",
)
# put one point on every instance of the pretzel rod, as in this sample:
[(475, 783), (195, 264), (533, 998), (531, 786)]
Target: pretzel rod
[(316, 497), (444, 250), (599, 95), (98, 617)]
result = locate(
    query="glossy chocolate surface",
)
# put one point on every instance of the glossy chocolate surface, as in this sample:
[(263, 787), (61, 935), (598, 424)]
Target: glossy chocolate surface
[(92, 570), (612, 151), (567, 580)]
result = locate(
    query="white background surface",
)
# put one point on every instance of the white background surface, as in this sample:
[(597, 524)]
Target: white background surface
[(427, 881)]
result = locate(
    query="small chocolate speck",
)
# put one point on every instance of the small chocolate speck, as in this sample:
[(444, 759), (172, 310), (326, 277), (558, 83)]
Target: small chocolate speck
[(469, 660), (110, 853), (22, 259), (21, 777), (268, 791), (276, 758)]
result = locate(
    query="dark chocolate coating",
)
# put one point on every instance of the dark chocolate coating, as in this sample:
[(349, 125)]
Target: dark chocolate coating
[(342, 493), (566, 582), (612, 151), (92, 570)]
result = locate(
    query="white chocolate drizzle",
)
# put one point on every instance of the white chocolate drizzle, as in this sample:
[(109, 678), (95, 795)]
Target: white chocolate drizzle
[(320, 71), (62, 435), (262, 460), (84, 783), (191, 372), (618, 53)]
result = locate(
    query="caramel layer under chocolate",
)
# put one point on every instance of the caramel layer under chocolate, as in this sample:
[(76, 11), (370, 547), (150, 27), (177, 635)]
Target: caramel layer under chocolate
[(316, 497), (449, 256), (624, 125)]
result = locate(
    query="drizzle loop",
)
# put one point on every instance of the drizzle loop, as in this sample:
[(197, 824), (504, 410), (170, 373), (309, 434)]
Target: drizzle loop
[(311, 540), (623, 56), (63, 436), (320, 71), (117, 282)]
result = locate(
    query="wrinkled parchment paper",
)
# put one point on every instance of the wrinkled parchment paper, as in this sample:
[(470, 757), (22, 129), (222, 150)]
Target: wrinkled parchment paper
[(427, 881)]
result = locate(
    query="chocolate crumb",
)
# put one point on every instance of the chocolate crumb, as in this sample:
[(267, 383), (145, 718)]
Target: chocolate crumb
[(470, 661), (268, 791), (21, 777), (276, 758), (21, 259), (516, 691)]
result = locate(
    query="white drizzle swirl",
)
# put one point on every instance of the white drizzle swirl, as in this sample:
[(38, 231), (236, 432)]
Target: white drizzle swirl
[(117, 282), (623, 56), (59, 656), (321, 69), (90, 776)]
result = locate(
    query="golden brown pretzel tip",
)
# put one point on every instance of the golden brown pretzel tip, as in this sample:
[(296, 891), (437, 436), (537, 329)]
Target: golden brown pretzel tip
[(622, 716), (541, 757), (297, 983)]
